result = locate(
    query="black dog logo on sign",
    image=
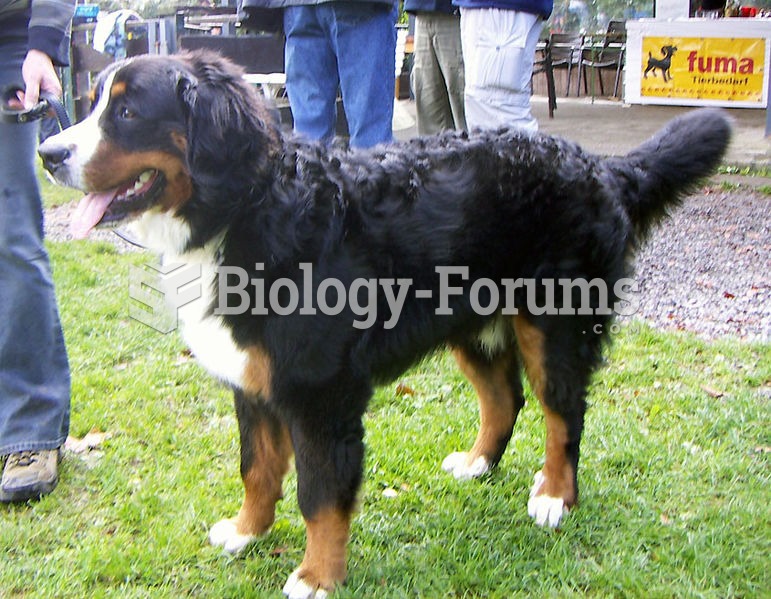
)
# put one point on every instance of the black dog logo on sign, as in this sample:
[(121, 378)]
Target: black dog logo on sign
[(662, 64)]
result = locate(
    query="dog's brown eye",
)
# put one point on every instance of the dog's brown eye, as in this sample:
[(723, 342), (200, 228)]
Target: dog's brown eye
[(126, 113)]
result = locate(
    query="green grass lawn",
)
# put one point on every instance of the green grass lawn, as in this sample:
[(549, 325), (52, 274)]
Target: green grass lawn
[(674, 479)]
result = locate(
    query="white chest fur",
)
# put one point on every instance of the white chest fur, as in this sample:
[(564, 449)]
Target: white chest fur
[(206, 335)]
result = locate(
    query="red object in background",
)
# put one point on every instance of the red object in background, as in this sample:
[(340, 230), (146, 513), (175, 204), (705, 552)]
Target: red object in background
[(748, 11)]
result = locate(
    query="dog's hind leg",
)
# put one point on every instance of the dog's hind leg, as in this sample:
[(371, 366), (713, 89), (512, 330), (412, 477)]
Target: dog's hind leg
[(499, 390), (558, 361), (649, 67), (327, 434), (265, 454)]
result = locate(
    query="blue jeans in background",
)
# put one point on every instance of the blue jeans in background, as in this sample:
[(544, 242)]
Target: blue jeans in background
[(34, 372), (350, 45)]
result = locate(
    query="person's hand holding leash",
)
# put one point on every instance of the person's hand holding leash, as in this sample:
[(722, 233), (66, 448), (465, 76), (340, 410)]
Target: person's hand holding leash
[(40, 95), (39, 76)]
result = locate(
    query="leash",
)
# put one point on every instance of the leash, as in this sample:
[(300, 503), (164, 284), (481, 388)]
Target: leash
[(48, 103), (124, 235)]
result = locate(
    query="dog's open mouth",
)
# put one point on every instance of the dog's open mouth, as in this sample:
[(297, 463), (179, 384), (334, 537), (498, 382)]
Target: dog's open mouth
[(108, 208)]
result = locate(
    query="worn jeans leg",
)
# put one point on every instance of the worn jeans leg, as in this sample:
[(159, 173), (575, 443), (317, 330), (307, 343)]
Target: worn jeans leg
[(347, 44), (311, 73), (34, 372), (364, 35), (499, 51)]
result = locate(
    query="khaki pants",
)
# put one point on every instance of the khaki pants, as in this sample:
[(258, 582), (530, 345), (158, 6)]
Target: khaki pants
[(437, 73)]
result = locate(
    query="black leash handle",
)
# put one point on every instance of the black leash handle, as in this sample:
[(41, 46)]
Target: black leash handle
[(48, 102)]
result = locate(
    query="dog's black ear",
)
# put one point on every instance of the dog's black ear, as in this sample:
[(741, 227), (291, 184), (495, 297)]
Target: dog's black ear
[(230, 134), (186, 90)]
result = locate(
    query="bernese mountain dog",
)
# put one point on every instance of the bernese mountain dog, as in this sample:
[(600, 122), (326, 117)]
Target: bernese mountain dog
[(508, 248)]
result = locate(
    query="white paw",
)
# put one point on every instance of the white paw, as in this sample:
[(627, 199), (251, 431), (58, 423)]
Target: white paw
[(457, 464), (297, 588), (546, 510), (224, 534)]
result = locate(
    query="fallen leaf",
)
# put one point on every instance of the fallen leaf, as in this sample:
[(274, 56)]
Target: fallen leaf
[(92, 440), (403, 389), (728, 295), (184, 359), (712, 392)]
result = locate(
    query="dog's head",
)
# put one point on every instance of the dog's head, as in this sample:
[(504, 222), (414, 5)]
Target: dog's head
[(668, 50), (171, 141)]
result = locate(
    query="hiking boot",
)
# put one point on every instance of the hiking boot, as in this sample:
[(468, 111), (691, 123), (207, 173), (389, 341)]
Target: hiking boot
[(29, 474)]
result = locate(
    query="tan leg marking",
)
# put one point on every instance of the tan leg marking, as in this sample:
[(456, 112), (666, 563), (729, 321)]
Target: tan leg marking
[(496, 405), (272, 451), (262, 482), (556, 480), (531, 341), (557, 471), (257, 373), (324, 564)]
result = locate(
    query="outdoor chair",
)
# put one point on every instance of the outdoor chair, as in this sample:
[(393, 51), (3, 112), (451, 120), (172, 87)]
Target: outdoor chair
[(543, 64), (604, 52), (565, 51)]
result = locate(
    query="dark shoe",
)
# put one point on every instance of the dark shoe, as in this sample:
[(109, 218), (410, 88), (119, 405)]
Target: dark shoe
[(29, 474)]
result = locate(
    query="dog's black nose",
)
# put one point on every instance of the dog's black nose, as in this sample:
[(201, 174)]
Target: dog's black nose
[(53, 155)]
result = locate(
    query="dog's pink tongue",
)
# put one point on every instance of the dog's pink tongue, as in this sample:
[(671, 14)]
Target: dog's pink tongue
[(89, 212)]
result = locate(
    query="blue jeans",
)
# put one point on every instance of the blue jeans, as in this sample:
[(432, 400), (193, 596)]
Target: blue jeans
[(34, 372), (350, 45)]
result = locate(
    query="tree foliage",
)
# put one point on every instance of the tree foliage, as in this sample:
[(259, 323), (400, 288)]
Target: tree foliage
[(593, 15), (149, 9)]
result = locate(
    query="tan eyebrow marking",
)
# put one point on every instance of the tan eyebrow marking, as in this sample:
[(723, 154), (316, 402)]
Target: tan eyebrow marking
[(118, 89)]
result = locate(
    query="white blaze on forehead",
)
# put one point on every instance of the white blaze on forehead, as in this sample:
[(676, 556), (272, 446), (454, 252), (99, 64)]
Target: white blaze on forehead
[(83, 139)]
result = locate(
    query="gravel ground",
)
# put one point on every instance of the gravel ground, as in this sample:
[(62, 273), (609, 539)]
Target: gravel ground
[(706, 270), (57, 228)]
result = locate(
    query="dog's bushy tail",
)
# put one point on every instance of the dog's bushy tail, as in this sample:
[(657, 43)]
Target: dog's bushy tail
[(658, 174)]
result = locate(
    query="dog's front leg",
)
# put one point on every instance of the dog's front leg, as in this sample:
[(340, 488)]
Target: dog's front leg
[(560, 385), (329, 453), (265, 453), (324, 564)]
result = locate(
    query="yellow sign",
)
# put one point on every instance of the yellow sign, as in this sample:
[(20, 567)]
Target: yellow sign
[(725, 69)]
